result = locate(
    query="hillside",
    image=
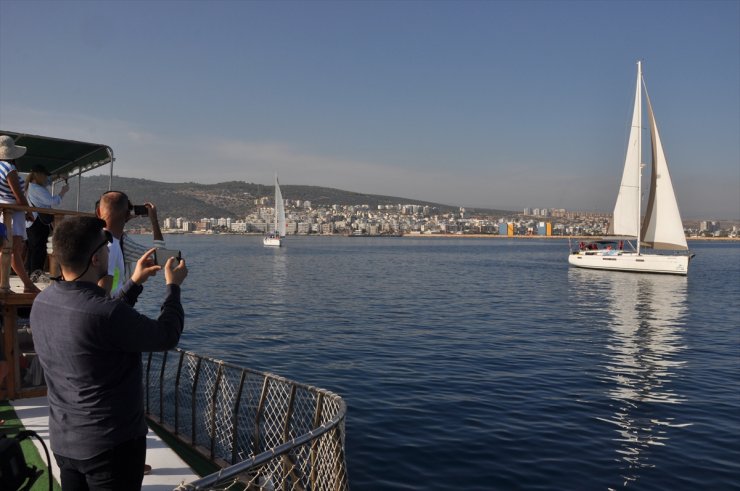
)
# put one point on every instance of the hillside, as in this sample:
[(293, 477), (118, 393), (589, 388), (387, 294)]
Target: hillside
[(227, 199)]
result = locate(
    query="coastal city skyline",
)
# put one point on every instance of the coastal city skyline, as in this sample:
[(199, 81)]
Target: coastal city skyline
[(303, 218), (476, 104), (554, 223)]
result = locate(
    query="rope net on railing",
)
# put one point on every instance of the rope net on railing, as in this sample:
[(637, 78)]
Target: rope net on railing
[(264, 431)]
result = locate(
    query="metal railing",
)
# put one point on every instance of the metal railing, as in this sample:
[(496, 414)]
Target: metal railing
[(264, 431)]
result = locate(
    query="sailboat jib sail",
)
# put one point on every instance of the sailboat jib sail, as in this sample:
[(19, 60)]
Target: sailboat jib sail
[(662, 228)]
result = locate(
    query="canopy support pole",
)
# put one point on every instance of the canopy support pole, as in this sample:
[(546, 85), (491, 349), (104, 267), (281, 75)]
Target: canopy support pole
[(110, 177)]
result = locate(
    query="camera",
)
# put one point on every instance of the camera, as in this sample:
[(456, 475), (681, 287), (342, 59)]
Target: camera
[(162, 255), (141, 211)]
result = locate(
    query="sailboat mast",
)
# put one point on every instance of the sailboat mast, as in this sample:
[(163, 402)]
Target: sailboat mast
[(277, 232), (638, 108)]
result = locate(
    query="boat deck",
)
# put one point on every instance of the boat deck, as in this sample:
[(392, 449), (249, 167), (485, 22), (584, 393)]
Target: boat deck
[(168, 469)]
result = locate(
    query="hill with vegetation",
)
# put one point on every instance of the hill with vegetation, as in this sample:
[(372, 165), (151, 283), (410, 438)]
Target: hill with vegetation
[(234, 199)]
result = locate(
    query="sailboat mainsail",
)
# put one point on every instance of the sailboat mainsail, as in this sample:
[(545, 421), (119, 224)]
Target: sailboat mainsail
[(662, 228), (626, 220), (279, 211)]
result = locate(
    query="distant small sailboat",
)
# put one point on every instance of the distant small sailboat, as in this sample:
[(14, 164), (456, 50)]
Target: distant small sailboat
[(275, 239), (662, 228)]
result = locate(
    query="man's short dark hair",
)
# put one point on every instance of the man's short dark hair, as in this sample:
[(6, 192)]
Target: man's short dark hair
[(74, 240)]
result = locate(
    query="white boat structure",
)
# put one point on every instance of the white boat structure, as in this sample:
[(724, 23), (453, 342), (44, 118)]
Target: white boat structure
[(275, 239), (635, 246)]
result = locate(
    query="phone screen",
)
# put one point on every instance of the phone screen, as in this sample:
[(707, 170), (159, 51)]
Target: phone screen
[(162, 255)]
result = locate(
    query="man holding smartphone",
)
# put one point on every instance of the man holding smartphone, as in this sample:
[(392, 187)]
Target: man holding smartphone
[(116, 210), (90, 347)]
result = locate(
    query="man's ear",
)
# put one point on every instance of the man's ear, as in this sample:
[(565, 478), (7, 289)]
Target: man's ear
[(95, 259)]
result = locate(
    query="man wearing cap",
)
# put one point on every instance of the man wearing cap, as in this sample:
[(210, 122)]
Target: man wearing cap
[(11, 191)]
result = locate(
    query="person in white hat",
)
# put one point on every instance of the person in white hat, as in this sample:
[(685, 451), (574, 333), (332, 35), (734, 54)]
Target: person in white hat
[(11, 191)]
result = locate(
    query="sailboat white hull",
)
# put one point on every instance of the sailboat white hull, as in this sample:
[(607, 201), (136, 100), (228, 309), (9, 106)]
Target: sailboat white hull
[(631, 261), (271, 242)]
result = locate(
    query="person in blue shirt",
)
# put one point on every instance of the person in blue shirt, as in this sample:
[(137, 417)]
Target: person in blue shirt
[(39, 196)]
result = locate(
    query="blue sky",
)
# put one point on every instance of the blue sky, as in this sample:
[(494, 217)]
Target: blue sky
[(491, 104)]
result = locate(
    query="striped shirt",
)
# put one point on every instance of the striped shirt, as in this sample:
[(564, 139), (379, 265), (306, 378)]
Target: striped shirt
[(132, 252), (6, 194)]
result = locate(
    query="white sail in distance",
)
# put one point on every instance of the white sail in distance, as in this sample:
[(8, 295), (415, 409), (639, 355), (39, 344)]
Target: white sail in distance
[(279, 211)]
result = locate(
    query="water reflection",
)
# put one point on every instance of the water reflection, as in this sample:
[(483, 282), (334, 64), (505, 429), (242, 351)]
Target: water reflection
[(643, 351), (276, 262)]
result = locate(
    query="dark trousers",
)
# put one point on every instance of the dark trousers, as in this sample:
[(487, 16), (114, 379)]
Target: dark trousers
[(38, 234), (119, 469)]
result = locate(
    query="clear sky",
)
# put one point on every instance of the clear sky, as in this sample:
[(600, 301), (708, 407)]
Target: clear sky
[(498, 104)]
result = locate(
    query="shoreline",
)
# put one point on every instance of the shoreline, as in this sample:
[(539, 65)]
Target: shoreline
[(547, 237), (452, 236)]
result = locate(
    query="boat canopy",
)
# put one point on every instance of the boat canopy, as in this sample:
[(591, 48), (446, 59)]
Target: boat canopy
[(59, 157)]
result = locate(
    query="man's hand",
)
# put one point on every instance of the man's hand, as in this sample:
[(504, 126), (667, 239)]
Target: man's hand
[(145, 268), (156, 231), (152, 211), (175, 273)]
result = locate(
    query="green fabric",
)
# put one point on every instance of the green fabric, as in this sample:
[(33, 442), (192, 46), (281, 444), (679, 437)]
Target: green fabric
[(59, 156)]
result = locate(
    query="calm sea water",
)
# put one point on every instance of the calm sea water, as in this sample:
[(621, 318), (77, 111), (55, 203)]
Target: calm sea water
[(487, 363)]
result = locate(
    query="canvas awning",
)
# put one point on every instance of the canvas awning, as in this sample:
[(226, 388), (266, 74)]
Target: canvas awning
[(59, 157)]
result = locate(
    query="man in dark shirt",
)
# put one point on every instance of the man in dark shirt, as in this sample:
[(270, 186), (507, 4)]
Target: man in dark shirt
[(90, 348)]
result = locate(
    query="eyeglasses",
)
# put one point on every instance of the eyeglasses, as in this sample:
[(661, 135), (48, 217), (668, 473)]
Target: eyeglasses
[(108, 240)]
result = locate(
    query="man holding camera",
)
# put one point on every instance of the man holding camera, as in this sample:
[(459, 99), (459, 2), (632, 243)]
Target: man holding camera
[(116, 210), (90, 347)]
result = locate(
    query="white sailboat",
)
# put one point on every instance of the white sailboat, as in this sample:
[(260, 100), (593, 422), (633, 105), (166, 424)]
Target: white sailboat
[(662, 228), (275, 239)]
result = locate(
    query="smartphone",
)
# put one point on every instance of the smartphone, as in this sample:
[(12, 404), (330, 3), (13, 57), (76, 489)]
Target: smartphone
[(162, 255), (141, 211)]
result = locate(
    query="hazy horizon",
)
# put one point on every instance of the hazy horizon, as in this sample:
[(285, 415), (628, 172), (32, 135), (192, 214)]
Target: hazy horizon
[(498, 105)]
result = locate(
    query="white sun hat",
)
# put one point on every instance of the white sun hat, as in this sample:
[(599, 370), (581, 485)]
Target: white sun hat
[(9, 150)]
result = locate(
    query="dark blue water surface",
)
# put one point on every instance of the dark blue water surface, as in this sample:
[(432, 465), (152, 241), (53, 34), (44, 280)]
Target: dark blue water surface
[(487, 363)]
